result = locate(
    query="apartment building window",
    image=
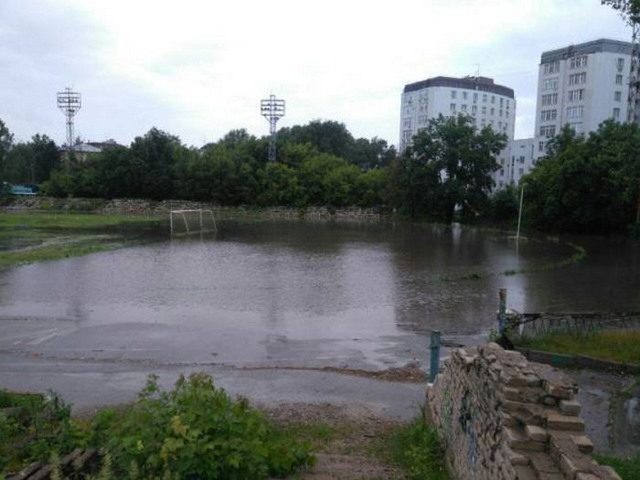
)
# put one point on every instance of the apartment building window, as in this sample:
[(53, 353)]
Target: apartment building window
[(475, 98), (493, 99), (550, 99), (484, 110), (521, 171), (493, 111), (578, 62), (406, 123), (620, 64), (575, 112), (548, 131), (454, 94), (500, 125), (541, 146), (474, 109), (463, 108), (551, 67), (452, 108), (483, 123), (464, 95), (616, 114), (422, 119), (406, 136), (576, 95), (550, 84), (577, 78), (502, 173), (522, 160), (548, 115), (484, 97), (617, 96)]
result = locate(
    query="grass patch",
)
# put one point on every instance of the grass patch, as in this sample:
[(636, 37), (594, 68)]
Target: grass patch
[(68, 221), (615, 345), (627, 467), (417, 449), (35, 237)]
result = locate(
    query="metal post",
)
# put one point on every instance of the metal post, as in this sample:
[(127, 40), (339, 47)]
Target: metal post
[(502, 310), (434, 365), (201, 226), (171, 221), (520, 213)]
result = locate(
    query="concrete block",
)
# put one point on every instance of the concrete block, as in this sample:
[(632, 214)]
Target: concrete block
[(570, 407), (583, 443), (536, 433), (557, 421)]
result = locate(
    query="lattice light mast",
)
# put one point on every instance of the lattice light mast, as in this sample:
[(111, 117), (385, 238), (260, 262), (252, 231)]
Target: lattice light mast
[(69, 102), (272, 109)]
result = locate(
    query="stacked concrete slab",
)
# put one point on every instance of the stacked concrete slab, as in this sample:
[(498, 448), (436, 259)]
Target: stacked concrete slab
[(504, 418)]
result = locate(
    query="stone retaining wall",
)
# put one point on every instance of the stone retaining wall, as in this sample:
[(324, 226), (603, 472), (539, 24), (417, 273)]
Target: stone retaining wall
[(161, 208), (504, 418)]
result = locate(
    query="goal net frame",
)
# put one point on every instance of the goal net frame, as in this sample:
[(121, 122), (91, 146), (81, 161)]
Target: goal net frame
[(190, 230)]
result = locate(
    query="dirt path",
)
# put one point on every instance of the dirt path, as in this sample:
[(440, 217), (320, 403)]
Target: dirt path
[(350, 442)]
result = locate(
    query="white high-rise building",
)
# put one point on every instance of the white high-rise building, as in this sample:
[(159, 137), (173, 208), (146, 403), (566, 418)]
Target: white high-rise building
[(579, 85), (488, 103)]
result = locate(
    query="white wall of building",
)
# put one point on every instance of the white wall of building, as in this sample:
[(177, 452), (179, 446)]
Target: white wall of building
[(580, 85), (479, 100)]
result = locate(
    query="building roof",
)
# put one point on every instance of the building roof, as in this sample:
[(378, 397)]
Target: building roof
[(594, 46), (483, 84), (92, 147)]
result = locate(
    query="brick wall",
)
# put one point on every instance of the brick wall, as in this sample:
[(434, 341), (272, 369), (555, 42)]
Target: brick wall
[(502, 417)]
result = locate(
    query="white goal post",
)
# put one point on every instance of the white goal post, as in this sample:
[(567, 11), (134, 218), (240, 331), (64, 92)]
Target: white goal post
[(193, 221)]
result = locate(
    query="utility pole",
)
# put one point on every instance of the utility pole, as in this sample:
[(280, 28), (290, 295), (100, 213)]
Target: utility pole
[(272, 109)]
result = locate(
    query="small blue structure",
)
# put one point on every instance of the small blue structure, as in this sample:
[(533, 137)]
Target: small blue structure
[(24, 190)]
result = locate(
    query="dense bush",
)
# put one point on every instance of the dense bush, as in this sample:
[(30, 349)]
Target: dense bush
[(195, 431), (37, 425), (586, 184)]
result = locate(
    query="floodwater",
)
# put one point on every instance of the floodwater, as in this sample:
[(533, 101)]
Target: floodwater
[(292, 294)]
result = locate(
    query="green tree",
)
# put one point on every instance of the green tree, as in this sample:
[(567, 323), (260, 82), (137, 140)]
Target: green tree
[(372, 187), (6, 140), (158, 151), (31, 162), (326, 136), (629, 9), (316, 176), (586, 185), (449, 164), (374, 153), (278, 185)]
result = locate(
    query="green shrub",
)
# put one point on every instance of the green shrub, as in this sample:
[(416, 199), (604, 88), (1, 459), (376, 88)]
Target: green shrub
[(418, 449), (41, 425), (195, 431)]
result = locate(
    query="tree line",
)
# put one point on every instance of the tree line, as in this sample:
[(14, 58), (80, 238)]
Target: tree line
[(585, 184)]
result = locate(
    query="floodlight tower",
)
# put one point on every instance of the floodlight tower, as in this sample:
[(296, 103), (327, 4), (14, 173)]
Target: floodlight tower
[(69, 102), (272, 109)]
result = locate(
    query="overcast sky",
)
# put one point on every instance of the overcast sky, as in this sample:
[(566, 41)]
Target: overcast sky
[(199, 68)]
